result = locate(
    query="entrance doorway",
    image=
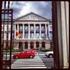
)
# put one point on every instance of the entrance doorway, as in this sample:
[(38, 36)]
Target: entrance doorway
[(37, 45), (20, 46), (26, 45), (43, 45), (31, 45)]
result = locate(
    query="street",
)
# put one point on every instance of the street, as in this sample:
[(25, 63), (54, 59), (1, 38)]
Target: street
[(49, 62), (39, 61), (36, 62)]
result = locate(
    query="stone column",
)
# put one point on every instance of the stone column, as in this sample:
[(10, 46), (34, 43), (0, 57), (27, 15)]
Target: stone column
[(34, 31), (28, 45), (34, 45), (18, 29), (14, 31), (47, 45), (23, 45), (46, 31), (40, 45), (28, 31), (23, 31), (40, 31), (16, 45)]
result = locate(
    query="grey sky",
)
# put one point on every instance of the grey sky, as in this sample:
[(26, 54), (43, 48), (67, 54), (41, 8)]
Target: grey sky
[(43, 8)]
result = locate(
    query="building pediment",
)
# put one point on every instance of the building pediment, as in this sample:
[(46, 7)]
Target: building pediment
[(31, 16)]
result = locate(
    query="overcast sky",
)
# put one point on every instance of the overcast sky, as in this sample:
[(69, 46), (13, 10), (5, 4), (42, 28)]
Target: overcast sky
[(43, 8)]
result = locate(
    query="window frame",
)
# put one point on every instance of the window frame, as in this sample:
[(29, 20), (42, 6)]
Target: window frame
[(55, 35)]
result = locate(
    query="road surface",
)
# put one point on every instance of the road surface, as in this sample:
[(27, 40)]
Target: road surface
[(36, 62)]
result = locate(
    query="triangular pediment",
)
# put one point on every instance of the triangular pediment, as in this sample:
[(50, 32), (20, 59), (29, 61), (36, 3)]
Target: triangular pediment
[(32, 16)]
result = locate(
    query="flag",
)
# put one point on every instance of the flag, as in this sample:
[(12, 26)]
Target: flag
[(18, 34)]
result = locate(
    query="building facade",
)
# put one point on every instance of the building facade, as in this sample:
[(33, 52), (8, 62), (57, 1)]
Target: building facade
[(31, 31)]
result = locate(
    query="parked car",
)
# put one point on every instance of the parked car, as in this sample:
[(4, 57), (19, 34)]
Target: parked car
[(49, 54), (25, 54)]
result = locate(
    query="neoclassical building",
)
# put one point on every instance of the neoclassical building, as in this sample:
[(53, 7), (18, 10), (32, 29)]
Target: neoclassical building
[(29, 31), (32, 31)]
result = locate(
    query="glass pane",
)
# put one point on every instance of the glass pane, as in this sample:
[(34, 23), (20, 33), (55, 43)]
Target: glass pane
[(32, 35), (37, 34)]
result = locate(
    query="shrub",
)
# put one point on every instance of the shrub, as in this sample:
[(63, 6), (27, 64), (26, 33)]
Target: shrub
[(45, 50), (12, 50)]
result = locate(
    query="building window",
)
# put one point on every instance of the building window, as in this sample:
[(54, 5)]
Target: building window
[(26, 27), (25, 30), (20, 27), (43, 28), (25, 35), (37, 28), (43, 35), (50, 35), (37, 35), (31, 35), (20, 31), (31, 28), (21, 35)]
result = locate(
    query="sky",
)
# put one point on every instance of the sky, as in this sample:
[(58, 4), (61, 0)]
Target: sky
[(42, 8)]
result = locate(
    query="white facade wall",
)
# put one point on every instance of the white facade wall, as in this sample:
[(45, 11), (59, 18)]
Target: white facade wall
[(35, 36)]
